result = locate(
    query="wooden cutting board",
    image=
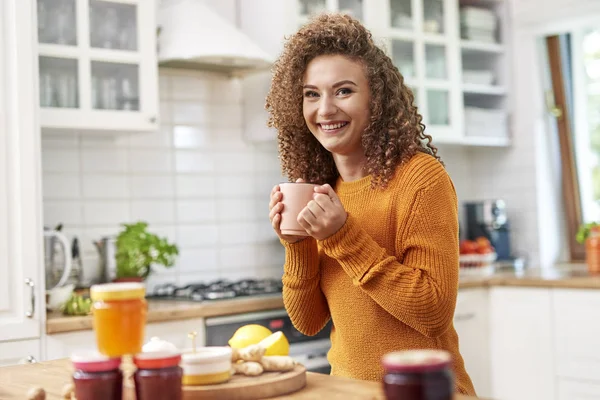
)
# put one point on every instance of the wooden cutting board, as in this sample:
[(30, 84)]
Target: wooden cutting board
[(240, 387)]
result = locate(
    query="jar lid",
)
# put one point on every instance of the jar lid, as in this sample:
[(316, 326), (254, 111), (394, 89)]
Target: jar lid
[(157, 344), (118, 291), (157, 359), (94, 362), (416, 360)]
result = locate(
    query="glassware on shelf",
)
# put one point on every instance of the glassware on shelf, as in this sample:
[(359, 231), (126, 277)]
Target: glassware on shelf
[(352, 7), (435, 60), (115, 86), (438, 107), (401, 14), (57, 23), (433, 16), (58, 82), (404, 57), (312, 7), (113, 25)]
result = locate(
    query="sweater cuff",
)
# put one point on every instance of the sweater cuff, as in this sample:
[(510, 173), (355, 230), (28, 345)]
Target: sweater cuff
[(354, 249), (301, 258)]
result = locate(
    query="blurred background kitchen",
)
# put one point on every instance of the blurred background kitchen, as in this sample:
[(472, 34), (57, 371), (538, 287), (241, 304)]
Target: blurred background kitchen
[(138, 111)]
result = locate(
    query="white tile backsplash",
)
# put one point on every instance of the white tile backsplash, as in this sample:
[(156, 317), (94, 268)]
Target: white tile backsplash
[(193, 181)]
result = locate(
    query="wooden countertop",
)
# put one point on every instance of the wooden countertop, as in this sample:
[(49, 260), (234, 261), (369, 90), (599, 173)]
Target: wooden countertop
[(172, 310), (15, 381), (566, 276)]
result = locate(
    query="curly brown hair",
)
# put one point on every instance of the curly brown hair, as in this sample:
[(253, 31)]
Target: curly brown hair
[(395, 131)]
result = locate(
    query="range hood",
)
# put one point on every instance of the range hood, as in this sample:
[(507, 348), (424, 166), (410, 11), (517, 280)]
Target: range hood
[(192, 36)]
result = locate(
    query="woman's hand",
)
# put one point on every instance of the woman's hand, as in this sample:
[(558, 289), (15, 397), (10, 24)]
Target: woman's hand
[(324, 215), (275, 209)]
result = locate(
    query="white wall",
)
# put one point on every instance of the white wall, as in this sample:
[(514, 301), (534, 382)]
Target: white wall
[(197, 181)]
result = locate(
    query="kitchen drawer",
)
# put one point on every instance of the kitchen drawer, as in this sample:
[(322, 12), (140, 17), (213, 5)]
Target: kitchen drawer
[(576, 333), (19, 352), (569, 389)]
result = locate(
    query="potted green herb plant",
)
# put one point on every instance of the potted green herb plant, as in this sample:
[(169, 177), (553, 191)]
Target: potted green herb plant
[(138, 250)]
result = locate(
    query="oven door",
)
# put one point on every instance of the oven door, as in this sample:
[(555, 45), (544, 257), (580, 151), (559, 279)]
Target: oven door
[(313, 355)]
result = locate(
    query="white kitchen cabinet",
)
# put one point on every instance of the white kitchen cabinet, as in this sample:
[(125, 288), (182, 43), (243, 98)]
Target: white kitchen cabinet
[(571, 389), (521, 339), (576, 332), (19, 352), (460, 85), (21, 301), (61, 345), (97, 65), (471, 321)]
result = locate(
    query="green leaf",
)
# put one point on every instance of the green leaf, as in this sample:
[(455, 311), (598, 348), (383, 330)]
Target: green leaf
[(138, 250)]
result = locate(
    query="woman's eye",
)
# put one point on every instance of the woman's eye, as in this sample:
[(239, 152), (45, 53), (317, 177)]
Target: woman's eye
[(344, 91), (310, 93)]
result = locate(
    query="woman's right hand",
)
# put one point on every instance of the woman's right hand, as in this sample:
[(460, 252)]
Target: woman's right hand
[(275, 209)]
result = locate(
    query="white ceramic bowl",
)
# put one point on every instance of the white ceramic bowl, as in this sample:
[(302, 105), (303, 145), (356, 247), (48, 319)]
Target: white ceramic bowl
[(58, 296), (207, 366)]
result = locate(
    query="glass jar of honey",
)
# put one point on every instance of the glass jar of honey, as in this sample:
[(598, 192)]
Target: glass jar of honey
[(418, 375), (119, 317), (97, 377)]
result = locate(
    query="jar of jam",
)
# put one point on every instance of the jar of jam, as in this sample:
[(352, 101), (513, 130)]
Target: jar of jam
[(418, 375), (158, 375), (97, 377), (119, 317)]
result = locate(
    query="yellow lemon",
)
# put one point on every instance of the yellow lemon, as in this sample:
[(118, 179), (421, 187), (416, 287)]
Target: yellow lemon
[(276, 345), (247, 335)]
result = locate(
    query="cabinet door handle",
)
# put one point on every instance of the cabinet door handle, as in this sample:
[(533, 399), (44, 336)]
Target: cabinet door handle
[(31, 312), (464, 317)]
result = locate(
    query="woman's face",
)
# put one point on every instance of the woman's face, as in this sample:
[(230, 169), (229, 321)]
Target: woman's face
[(336, 103)]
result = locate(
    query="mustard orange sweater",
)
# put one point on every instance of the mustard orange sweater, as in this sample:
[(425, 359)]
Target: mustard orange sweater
[(388, 278)]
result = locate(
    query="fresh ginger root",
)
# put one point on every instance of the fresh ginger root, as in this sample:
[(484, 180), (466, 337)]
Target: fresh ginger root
[(248, 368), (277, 363), (254, 352)]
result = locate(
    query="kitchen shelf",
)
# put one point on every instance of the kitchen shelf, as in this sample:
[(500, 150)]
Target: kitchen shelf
[(484, 47), (486, 141), (469, 88)]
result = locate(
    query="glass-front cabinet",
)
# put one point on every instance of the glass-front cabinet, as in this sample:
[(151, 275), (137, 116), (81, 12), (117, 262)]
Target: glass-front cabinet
[(97, 65), (419, 38)]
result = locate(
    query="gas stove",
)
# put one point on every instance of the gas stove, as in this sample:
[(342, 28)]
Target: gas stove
[(217, 290)]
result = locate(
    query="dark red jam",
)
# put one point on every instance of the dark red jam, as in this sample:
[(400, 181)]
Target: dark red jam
[(418, 375), (158, 376)]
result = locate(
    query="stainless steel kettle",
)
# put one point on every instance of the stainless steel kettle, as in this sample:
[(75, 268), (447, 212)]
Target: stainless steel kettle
[(107, 250)]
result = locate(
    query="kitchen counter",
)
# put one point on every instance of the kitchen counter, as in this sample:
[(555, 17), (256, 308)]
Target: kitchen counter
[(172, 310), (15, 381), (567, 276)]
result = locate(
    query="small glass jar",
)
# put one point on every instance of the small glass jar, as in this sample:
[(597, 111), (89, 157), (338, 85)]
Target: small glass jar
[(592, 250), (418, 375), (97, 377), (119, 315), (158, 376)]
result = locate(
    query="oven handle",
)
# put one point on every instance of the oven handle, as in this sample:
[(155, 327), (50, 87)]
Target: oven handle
[(245, 317)]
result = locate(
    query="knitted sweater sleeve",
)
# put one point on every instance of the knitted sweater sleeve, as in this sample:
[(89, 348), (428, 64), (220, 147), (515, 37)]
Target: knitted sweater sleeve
[(303, 298), (419, 284)]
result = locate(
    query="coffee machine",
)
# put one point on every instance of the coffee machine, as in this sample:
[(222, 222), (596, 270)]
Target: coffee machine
[(488, 218)]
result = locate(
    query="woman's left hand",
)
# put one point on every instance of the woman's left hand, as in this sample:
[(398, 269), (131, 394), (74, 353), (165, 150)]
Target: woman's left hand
[(324, 215)]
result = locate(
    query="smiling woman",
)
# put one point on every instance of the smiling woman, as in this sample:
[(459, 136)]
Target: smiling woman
[(382, 246)]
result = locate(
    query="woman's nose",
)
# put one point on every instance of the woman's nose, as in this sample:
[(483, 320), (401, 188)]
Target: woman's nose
[(327, 107)]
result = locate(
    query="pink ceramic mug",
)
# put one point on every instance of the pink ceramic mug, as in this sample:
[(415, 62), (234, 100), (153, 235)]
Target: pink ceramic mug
[(296, 195)]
